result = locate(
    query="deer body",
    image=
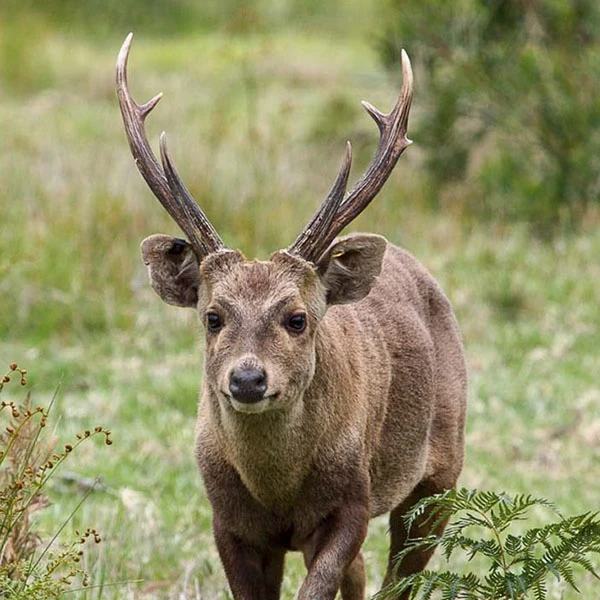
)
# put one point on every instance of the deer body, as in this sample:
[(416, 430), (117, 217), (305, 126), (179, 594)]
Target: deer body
[(334, 387)]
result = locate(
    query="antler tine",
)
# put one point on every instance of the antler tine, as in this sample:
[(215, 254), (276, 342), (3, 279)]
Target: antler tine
[(171, 192), (208, 240), (392, 142), (306, 244)]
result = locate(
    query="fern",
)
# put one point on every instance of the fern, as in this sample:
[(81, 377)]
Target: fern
[(518, 565)]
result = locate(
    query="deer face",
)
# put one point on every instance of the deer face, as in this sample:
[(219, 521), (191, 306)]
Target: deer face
[(260, 320), (261, 317)]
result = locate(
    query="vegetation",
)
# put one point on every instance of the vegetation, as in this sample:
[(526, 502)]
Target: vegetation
[(257, 115), (513, 103), (517, 565), (31, 568)]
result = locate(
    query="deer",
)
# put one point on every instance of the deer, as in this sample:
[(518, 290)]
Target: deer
[(334, 386)]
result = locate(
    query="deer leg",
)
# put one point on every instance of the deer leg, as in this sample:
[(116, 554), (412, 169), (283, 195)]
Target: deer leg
[(418, 559), (332, 556), (353, 583), (252, 573)]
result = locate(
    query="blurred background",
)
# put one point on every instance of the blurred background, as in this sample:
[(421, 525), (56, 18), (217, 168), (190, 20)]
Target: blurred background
[(498, 197)]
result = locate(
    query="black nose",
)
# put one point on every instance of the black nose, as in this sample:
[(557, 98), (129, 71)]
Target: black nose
[(248, 384)]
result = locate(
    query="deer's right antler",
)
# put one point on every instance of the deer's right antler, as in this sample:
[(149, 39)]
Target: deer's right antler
[(335, 212), (164, 182)]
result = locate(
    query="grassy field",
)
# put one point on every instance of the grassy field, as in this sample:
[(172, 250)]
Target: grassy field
[(257, 126)]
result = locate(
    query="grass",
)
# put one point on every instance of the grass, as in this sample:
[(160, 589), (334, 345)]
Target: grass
[(257, 125)]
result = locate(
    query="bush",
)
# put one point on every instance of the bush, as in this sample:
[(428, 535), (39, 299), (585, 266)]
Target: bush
[(511, 92)]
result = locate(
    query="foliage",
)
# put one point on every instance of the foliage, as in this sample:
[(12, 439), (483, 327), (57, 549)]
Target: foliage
[(519, 564), (29, 568), (512, 102)]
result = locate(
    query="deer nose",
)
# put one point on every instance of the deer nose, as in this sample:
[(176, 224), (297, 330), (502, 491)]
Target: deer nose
[(248, 384)]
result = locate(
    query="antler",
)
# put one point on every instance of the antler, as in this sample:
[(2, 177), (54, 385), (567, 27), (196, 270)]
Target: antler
[(164, 182), (333, 215)]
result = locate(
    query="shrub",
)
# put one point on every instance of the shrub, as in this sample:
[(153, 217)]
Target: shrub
[(512, 103), (29, 567)]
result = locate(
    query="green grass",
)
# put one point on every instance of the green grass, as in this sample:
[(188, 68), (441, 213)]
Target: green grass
[(257, 125)]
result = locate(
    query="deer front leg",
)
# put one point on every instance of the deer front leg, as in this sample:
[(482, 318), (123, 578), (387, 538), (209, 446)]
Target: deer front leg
[(331, 551), (253, 573)]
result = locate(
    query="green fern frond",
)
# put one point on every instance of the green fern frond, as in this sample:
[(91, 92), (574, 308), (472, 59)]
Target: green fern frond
[(518, 564), (510, 510), (539, 590)]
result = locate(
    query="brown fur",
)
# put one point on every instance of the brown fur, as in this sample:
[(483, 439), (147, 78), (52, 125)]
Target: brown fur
[(364, 413)]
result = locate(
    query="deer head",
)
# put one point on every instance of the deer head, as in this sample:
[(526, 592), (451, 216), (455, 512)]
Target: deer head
[(261, 317)]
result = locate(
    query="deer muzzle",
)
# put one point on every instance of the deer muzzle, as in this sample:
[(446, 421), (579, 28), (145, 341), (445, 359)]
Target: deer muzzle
[(248, 384)]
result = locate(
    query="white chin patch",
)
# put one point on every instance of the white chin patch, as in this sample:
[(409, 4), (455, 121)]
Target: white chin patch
[(251, 408)]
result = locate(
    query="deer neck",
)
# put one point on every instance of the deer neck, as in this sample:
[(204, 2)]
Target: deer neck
[(271, 451)]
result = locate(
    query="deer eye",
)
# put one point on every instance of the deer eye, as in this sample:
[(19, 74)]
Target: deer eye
[(213, 321), (296, 323)]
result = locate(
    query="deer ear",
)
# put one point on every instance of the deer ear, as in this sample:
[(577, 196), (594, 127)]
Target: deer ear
[(350, 267), (172, 268)]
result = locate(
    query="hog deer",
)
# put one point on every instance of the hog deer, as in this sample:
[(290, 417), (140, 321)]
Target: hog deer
[(334, 376)]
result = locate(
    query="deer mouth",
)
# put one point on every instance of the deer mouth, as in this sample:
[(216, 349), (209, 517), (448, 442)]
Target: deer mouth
[(254, 407)]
